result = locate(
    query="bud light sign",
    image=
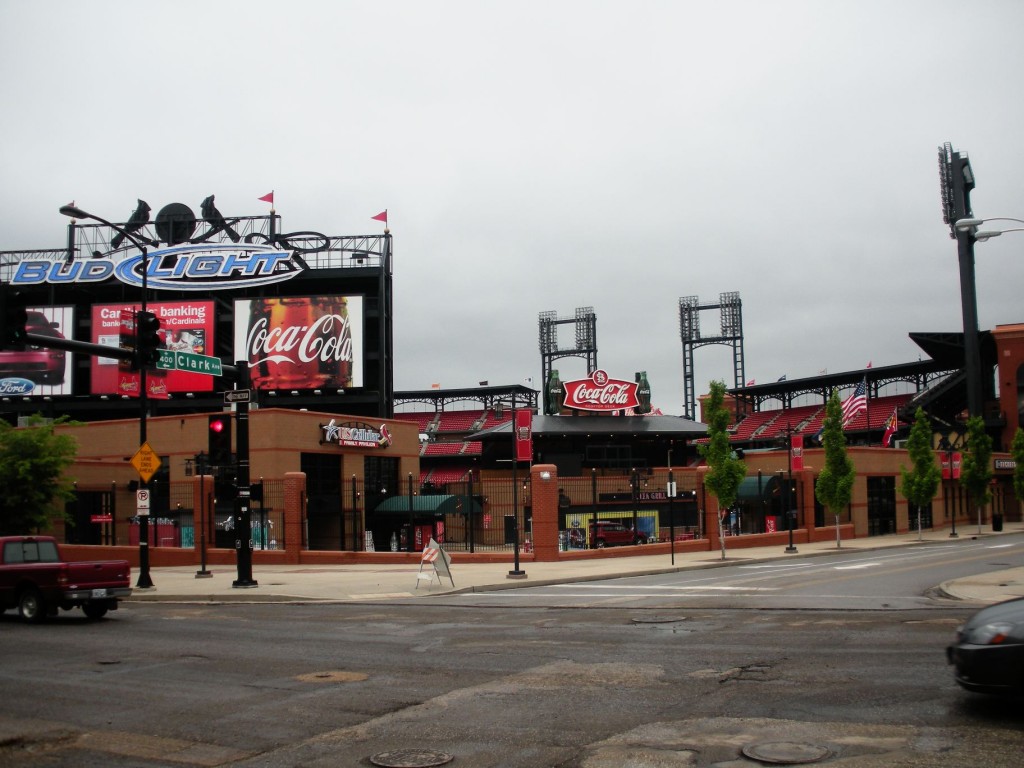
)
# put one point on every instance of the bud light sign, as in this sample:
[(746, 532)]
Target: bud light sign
[(601, 393)]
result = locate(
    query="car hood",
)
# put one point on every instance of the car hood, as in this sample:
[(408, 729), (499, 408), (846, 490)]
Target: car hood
[(1011, 611)]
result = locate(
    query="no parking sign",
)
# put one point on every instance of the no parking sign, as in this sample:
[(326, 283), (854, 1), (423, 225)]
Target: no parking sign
[(142, 501)]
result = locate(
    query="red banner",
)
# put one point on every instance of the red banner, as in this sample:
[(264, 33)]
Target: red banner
[(947, 472), (524, 435), (796, 447)]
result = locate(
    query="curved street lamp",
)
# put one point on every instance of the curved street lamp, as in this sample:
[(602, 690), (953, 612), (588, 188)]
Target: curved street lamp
[(73, 211), (971, 226)]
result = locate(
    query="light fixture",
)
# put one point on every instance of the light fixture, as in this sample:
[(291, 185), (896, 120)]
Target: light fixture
[(990, 233), (965, 224), (295, 392), (545, 475)]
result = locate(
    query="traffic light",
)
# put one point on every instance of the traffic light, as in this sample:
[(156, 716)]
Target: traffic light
[(147, 339), (219, 434), (13, 317)]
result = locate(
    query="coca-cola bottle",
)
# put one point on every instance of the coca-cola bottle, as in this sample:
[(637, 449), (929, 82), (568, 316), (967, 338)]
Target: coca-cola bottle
[(554, 394), (643, 393)]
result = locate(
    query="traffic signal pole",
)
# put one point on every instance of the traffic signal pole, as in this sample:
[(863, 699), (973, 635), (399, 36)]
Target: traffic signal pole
[(243, 503)]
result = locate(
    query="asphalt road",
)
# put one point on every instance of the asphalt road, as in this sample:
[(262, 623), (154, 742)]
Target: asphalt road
[(846, 579), (625, 680)]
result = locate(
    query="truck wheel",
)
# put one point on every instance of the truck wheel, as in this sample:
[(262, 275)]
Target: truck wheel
[(31, 606), (600, 543), (95, 610)]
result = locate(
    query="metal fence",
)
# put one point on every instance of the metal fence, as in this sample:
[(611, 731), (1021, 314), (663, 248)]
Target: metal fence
[(489, 514)]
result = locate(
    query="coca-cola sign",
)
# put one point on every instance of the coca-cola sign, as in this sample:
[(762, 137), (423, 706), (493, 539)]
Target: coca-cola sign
[(301, 342), (601, 393)]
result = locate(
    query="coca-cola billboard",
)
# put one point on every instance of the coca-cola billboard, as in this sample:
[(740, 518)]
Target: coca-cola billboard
[(301, 342), (601, 393)]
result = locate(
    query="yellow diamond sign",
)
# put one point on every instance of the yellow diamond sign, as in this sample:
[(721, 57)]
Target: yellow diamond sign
[(146, 462)]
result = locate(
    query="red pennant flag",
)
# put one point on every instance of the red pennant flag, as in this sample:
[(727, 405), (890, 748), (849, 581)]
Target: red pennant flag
[(382, 216), (268, 198)]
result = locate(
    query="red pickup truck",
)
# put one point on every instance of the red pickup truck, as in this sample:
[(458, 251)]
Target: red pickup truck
[(35, 580)]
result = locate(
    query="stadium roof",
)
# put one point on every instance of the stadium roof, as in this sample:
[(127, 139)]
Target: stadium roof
[(567, 426)]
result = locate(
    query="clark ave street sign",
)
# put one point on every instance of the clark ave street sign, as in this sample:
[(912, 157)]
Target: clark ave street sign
[(189, 361)]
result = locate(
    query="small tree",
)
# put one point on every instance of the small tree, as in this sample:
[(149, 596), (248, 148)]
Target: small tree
[(33, 484), (835, 483), (920, 483), (725, 470), (976, 469), (1017, 453)]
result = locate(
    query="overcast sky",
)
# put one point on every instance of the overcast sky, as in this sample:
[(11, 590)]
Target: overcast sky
[(540, 156)]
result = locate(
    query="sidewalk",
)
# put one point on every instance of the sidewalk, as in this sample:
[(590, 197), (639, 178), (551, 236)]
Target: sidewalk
[(355, 583)]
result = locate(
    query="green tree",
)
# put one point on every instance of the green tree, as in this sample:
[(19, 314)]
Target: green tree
[(1017, 453), (33, 483), (921, 481), (725, 470), (835, 483), (976, 467)]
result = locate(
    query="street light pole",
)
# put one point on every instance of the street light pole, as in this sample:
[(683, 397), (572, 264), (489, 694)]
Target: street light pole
[(144, 582), (671, 488), (790, 512)]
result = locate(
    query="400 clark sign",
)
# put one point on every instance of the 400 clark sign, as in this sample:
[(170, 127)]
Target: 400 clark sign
[(171, 360)]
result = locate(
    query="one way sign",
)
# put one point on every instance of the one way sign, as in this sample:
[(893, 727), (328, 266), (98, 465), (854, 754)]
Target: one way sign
[(237, 396)]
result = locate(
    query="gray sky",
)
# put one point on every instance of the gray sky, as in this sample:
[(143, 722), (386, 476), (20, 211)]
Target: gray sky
[(550, 155)]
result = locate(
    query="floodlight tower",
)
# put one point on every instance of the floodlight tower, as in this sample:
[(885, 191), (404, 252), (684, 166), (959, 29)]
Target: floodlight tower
[(585, 322), (731, 309), (956, 180)]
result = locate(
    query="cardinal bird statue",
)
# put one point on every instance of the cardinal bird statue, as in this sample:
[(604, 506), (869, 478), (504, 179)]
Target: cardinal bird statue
[(217, 223), (139, 219)]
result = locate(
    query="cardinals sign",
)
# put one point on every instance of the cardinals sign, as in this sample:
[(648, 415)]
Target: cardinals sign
[(601, 393)]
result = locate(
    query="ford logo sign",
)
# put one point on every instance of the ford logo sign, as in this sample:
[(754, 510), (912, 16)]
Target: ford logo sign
[(16, 386)]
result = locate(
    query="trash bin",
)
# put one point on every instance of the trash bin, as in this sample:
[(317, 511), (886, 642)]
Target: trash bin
[(997, 523)]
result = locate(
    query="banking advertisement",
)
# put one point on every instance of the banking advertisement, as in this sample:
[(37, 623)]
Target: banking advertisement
[(185, 326), (301, 342), (38, 371)]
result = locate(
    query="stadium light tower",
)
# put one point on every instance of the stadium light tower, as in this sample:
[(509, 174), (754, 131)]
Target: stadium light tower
[(956, 180), (125, 233)]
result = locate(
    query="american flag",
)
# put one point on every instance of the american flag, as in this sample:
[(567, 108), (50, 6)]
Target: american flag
[(855, 403)]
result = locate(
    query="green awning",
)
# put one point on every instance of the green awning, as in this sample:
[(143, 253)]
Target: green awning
[(748, 490), (428, 506)]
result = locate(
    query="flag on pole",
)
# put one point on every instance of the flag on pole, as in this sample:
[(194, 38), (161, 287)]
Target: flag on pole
[(750, 383), (382, 216), (868, 365), (268, 198), (890, 429), (855, 403)]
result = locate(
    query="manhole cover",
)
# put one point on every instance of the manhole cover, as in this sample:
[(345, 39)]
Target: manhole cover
[(410, 758), (786, 752)]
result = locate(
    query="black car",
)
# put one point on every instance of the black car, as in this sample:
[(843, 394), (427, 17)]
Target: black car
[(988, 653)]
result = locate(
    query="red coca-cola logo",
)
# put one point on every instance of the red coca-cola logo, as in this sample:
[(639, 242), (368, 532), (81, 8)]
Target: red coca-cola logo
[(328, 339), (601, 393)]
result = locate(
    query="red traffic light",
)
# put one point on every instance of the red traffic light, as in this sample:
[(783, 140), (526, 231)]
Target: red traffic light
[(217, 425)]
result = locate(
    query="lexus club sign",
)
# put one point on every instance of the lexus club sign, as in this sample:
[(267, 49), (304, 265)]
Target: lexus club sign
[(601, 393)]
